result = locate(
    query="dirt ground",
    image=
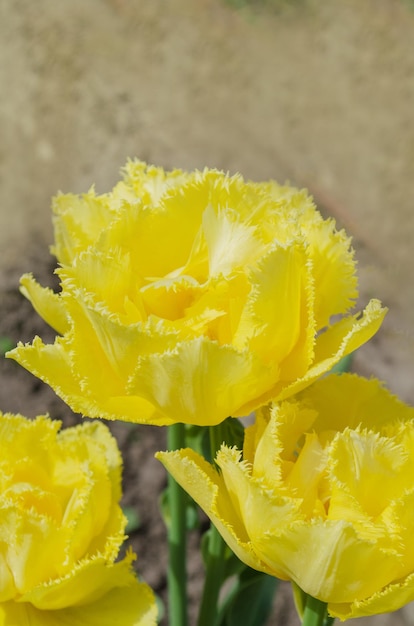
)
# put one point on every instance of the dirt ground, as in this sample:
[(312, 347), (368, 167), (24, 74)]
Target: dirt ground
[(318, 93)]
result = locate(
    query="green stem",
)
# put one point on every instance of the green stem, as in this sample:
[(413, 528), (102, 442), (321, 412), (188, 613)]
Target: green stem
[(315, 613), (177, 540), (215, 557), (216, 439), (214, 577)]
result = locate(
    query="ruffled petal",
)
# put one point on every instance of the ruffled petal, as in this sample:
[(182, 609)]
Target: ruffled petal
[(386, 600), (357, 401), (200, 382), (52, 364), (78, 221), (207, 488), (277, 320), (231, 243), (87, 581), (334, 273), (48, 304), (331, 346), (129, 605), (328, 560)]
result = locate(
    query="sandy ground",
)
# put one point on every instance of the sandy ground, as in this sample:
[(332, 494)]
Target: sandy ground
[(318, 93)]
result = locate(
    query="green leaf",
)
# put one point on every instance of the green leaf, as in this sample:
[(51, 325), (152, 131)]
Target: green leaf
[(231, 432), (299, 598), (197, 438), (6, 344), (133, 519), (232, 565), (344, 365), (251, 600), (160, 607)]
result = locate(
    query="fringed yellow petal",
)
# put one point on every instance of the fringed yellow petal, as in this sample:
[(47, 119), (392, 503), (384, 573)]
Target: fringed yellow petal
[(331, 346), (87, 581), (200, 382), (52, 364), (93, 440), (206, 487), (327, 560), (111, 344), (359, 458), (334, 273), (273, 438), (259, 509), (148, 182), (159, 238), (231, 244), (305, 475), (236, 478), (350, 332), (36, 544), (47, 303), (78, 221), (126, 602), (275, 321), (254, 432), (262, 447), (401, 591), (131, 408), (171, 297), (386, 600), (16, 427), (94, 443), (194, 474), (216, 312), (109, 277), (357, 402)]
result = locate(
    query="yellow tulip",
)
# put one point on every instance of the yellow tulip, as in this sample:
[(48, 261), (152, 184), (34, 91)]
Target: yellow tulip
[(61, 528), (322, 496), (189, 297)]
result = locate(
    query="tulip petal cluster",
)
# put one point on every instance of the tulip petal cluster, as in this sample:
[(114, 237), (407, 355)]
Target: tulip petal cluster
[(323, 494), (61, 528), (188, 297)]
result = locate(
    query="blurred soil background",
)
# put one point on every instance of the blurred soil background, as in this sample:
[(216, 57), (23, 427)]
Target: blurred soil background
[(317, 93)]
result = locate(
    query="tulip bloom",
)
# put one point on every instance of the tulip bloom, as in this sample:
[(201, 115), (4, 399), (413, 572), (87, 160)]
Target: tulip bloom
[(189, 297), (61, 528), (322, 496)]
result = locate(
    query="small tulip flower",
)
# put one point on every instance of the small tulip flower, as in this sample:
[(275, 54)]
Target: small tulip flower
[(61, 529), (322, 495)]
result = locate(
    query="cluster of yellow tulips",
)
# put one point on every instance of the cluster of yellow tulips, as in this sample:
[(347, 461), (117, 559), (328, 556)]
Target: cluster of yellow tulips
[(189, 300)]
